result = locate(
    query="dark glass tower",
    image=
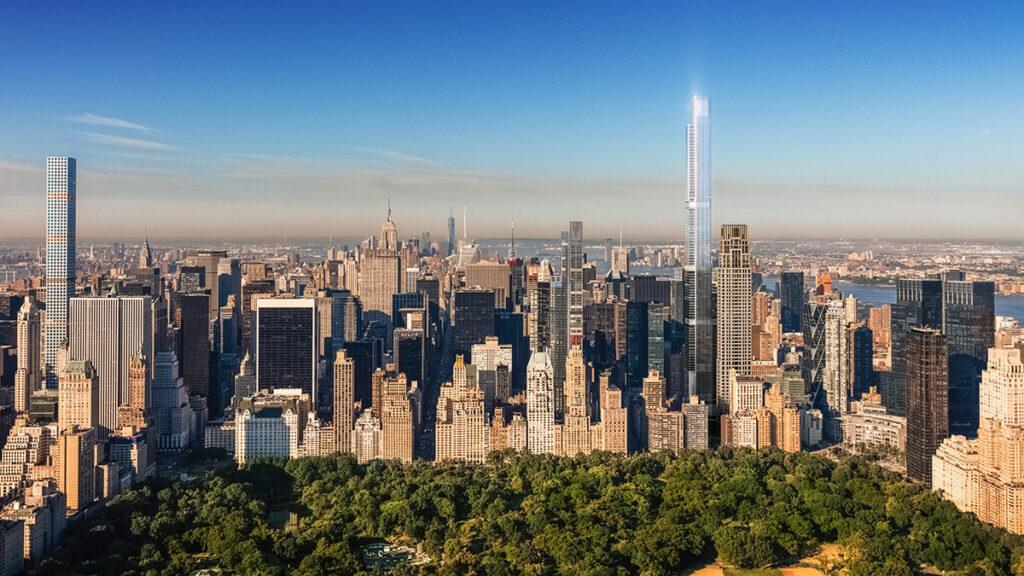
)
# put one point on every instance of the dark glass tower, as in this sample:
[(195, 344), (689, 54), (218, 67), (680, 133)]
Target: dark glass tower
[(863, 361), (473, 320), (286, 344), (699, 307), (791, 288), (636, 343), (968, 323), (918, 303), (927, 399)]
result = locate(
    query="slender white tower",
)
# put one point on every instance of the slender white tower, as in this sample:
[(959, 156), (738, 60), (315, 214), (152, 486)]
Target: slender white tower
[(61, 173), (700, 329)]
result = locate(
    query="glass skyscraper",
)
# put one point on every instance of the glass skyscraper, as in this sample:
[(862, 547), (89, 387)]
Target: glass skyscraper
[(61, 174), (699, 325)]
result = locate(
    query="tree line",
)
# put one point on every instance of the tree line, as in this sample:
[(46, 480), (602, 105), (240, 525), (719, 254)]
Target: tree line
[(599, 514)]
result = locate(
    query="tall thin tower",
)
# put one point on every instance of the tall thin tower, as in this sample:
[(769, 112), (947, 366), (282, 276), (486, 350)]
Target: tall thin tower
[(61, 173), (574, 284), (451, 233), (700, 328)]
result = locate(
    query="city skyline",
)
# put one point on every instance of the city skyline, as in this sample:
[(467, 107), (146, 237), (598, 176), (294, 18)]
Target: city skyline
[(311, 131)]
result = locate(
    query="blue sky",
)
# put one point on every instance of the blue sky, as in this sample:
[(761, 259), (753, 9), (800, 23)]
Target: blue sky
[(853, 119)]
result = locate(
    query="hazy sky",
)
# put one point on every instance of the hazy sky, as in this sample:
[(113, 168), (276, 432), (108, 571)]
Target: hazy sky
[(829, 119)]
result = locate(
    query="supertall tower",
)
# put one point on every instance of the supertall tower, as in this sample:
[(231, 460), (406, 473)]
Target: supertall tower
[(61, 174), (451, 233), (699, 325), (574, 283)]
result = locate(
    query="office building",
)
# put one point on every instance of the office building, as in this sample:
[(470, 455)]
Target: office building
[(191, 315), (61, 194), (380, 277), (657, 326), (286, 350), (494, 276), (472, 319), (636, 343), (108, 332)]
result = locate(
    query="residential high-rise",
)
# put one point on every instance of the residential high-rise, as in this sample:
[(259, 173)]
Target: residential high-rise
[(76, 462), (461, 429), (576, 426), (657, 326), (539, 298), (540, 404), (613, 429), (344, 400), (61, 192), (734, 308), (927, 380), (836, 382), (985, 476), (636, 343), (286, 345), (397, 420), (573, 282), (700, 328), (793, 299), (28, 378), (487, 358), (78, 404), (108, 332), (366, 437)]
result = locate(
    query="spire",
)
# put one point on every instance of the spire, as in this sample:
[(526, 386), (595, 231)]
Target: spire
[(389, 208), (512, 246), (465, 223)]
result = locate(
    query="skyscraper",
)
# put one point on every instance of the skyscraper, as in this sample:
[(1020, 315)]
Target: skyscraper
[(78, 403), (918, 303), (344, 400), (927, 380), (968, 317), (61, 190), (540, 405), (451, 233), (27, 378), (734, 308), (700, 330), (108, 332), (191, 311), (573, 270), (791, 288), (286, 350), (473, 319)]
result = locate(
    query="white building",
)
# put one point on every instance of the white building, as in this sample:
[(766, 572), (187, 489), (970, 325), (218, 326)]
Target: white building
[(955, 472), (540, 404), (270, 425), (61, 191), (366, 434)]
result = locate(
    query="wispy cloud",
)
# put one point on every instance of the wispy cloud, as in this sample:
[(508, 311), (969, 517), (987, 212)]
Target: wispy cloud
[(107, 121), (123, 142)]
